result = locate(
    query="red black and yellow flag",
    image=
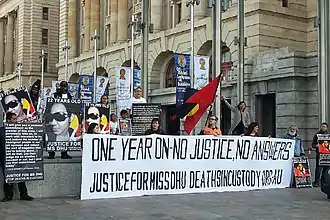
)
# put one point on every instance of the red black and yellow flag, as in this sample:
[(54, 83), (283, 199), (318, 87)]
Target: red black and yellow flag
[(199, 102)]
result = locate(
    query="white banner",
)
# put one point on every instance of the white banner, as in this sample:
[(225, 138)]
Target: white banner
[(123, 83), (101, 83), (201, 69), (125, 166)]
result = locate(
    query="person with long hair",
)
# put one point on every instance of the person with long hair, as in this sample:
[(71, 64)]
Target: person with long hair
[(93, 129), (104, 100), (241, 119), (252, 130)]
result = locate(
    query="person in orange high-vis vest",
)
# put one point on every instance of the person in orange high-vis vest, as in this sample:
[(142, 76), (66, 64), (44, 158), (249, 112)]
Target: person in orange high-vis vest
[(211, 129)]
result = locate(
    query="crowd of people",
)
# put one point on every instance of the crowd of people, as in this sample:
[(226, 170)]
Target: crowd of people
[(240, 125)]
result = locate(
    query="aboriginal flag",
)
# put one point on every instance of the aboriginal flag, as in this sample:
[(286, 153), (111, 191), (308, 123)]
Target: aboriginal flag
[(199, 102)]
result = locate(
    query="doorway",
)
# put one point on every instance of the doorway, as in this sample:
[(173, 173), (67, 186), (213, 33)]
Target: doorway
[(225, 117), (266, 114), (172, 125)]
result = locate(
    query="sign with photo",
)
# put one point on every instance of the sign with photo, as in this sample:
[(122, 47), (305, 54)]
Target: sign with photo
[(324, 149), (201, 70), (24, 152), (63, 125), (182, 72), (18, 101), (86, 88), (101, 83), (73, 89), (123, 83), (125, 127), (142, 115), (301, 172), (97, 114)]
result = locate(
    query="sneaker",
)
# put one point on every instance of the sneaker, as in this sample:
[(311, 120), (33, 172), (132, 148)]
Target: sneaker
[(26, 197), (65, 155), (7, 199), (316, 184)]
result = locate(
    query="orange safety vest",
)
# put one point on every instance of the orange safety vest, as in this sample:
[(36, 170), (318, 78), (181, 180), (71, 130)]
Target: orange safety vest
[(211, 131)]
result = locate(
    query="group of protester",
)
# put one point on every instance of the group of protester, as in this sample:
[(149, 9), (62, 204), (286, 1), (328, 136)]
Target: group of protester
[(240, 125)]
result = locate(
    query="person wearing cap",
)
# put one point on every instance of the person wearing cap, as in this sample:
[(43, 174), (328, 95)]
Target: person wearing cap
[(211, 128), (62, 92)]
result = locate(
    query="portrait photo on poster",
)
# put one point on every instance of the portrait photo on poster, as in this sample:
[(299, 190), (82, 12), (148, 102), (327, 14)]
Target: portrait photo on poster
[(18, 101), (98, 114), (62, 125)]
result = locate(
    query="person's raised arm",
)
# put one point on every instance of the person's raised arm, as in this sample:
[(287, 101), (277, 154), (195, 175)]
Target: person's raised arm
[(228, 104)]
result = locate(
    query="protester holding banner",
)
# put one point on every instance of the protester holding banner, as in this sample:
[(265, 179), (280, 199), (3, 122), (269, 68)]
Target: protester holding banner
[(8, 188), (154, 128), (241, 119), (252, 130), (62, 91), (292, 133), (211, 128), (318, 169), (137, 99)]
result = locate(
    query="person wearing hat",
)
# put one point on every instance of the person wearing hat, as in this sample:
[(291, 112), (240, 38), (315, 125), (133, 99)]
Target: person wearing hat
[(34, 93), (62, 91), (211, 128)]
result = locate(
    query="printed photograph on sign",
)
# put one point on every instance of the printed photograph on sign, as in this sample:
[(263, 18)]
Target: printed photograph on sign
[(102, 83), (63, 125), (201, 66), (301, 172), (73, 89), (48, 92), (324, 149), (97, 115), (18, 101), (123, 93), (125, 127), (24, 152), (55, 85), (86, 88)]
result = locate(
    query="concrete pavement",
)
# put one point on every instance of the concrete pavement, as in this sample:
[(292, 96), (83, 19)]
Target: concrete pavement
[(279, 204)]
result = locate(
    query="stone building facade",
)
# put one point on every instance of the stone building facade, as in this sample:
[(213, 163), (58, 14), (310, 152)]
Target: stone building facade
[(26, 28), (280, 56)]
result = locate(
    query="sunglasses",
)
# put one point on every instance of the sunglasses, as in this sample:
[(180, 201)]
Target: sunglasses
[(93, 116), (212, 119), (57, 117), (12, 104)]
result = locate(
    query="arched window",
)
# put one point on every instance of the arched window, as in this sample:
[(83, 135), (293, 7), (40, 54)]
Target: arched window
[(170, 80)]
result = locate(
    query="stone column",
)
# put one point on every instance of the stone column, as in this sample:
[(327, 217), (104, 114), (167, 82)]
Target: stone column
[(185, 12), (95, 18), (9, 44), (114, 21), (157, 14), (122, 28), (200, 10), (2, 46), (72, 28), (87, 36)]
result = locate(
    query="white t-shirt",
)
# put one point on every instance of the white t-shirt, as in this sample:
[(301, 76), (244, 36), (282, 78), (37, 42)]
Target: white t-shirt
[(134, 100), (113, 127)]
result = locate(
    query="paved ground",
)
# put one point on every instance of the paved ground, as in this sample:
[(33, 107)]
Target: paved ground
[(282, 204)]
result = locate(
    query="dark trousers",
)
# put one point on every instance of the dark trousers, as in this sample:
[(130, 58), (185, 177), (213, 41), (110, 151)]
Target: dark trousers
[(319, 170), (8, 188)]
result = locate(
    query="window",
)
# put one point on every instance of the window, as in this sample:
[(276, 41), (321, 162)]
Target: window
[(227, 4), (45, 36), (285, 3), (170, 75), (82, 19), (45, 13), (175, 12), (46, 63), (107, 36)]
